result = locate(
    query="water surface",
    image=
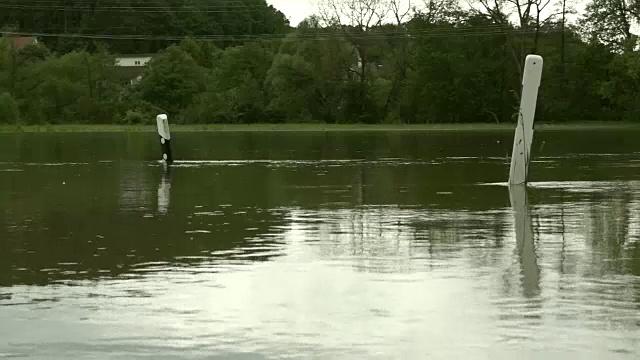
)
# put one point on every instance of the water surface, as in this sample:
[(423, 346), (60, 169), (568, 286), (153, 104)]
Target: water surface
[(319, 245)]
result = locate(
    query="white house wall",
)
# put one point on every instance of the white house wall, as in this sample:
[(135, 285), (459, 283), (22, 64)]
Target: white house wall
[(133, 61)]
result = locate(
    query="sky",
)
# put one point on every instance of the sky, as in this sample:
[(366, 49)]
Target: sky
[(295, 10)]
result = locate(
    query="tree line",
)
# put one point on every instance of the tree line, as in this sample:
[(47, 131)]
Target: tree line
[(356, 61)]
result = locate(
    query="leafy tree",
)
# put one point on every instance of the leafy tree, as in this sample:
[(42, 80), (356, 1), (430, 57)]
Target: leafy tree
[(609, 22), (330, 61), (371, 61), (9, 113), (172, 80), (77, 87), (292, 87), (205, 53), (158, 20), (236, 92), (623, 86)]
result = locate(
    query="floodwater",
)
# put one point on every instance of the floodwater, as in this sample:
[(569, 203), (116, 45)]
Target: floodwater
[(337, 245)]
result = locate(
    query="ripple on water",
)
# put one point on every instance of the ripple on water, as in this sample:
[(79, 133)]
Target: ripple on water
[(340, 281)]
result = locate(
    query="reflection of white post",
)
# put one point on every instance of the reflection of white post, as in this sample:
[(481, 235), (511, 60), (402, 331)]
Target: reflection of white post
[(524, 129), (524, 240), (165, 137), (164, 191)]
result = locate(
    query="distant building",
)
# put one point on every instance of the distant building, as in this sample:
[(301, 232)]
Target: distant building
[(132, 66), (21, 41), (139, 60)]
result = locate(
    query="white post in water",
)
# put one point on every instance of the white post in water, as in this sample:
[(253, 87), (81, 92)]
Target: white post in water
[(165, 137), (524, 129)]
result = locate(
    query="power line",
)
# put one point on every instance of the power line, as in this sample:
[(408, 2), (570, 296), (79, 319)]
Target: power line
[(337, 32), (485, 30), (224, 2), (294, 36), (129, 9), (36, 3)]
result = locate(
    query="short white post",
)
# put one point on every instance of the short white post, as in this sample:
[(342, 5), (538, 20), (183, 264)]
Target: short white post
[(165, 137), (520, 156)]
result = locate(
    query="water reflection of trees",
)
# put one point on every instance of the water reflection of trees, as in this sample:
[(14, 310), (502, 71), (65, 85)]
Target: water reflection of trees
[(387, 216), (564, 232), (593, 231), (94, 221), (397, 239)]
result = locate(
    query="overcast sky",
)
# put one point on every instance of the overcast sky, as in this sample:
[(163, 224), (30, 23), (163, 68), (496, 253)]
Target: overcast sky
[(295, 10)]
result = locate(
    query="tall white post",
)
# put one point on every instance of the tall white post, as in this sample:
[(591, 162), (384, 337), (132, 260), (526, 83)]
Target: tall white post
[(520, 156), (165, 137)]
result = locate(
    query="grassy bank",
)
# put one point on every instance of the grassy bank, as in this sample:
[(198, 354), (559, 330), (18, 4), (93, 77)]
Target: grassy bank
[(313, 127)]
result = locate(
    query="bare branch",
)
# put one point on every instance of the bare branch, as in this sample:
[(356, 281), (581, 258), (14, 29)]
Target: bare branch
[(398, 11), (363, 14)]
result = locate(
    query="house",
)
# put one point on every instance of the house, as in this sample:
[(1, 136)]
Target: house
[(21, 41), (138, 60), (132, 66)]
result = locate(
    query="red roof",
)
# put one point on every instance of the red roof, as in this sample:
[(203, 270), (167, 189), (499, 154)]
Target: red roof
[(22, 41)]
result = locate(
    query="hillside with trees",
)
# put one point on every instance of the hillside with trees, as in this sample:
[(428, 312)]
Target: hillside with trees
[(356, 61)]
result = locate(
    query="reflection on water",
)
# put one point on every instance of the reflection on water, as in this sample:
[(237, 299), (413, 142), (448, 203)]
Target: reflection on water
[(316, 246), (524, 241), (164, 189)]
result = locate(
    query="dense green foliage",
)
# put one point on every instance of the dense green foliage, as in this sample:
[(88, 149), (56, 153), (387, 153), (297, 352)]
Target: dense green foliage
[(239, 62), (159, 19)]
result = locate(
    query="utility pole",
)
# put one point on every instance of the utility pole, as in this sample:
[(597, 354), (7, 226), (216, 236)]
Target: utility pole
[(564, 11), (66, 9)]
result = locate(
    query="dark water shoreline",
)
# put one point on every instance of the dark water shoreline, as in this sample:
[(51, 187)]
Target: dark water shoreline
[(577, 126)]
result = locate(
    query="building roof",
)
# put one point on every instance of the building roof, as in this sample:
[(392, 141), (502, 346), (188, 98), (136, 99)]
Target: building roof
[(130, 72), (22, 41), (124, 56)]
